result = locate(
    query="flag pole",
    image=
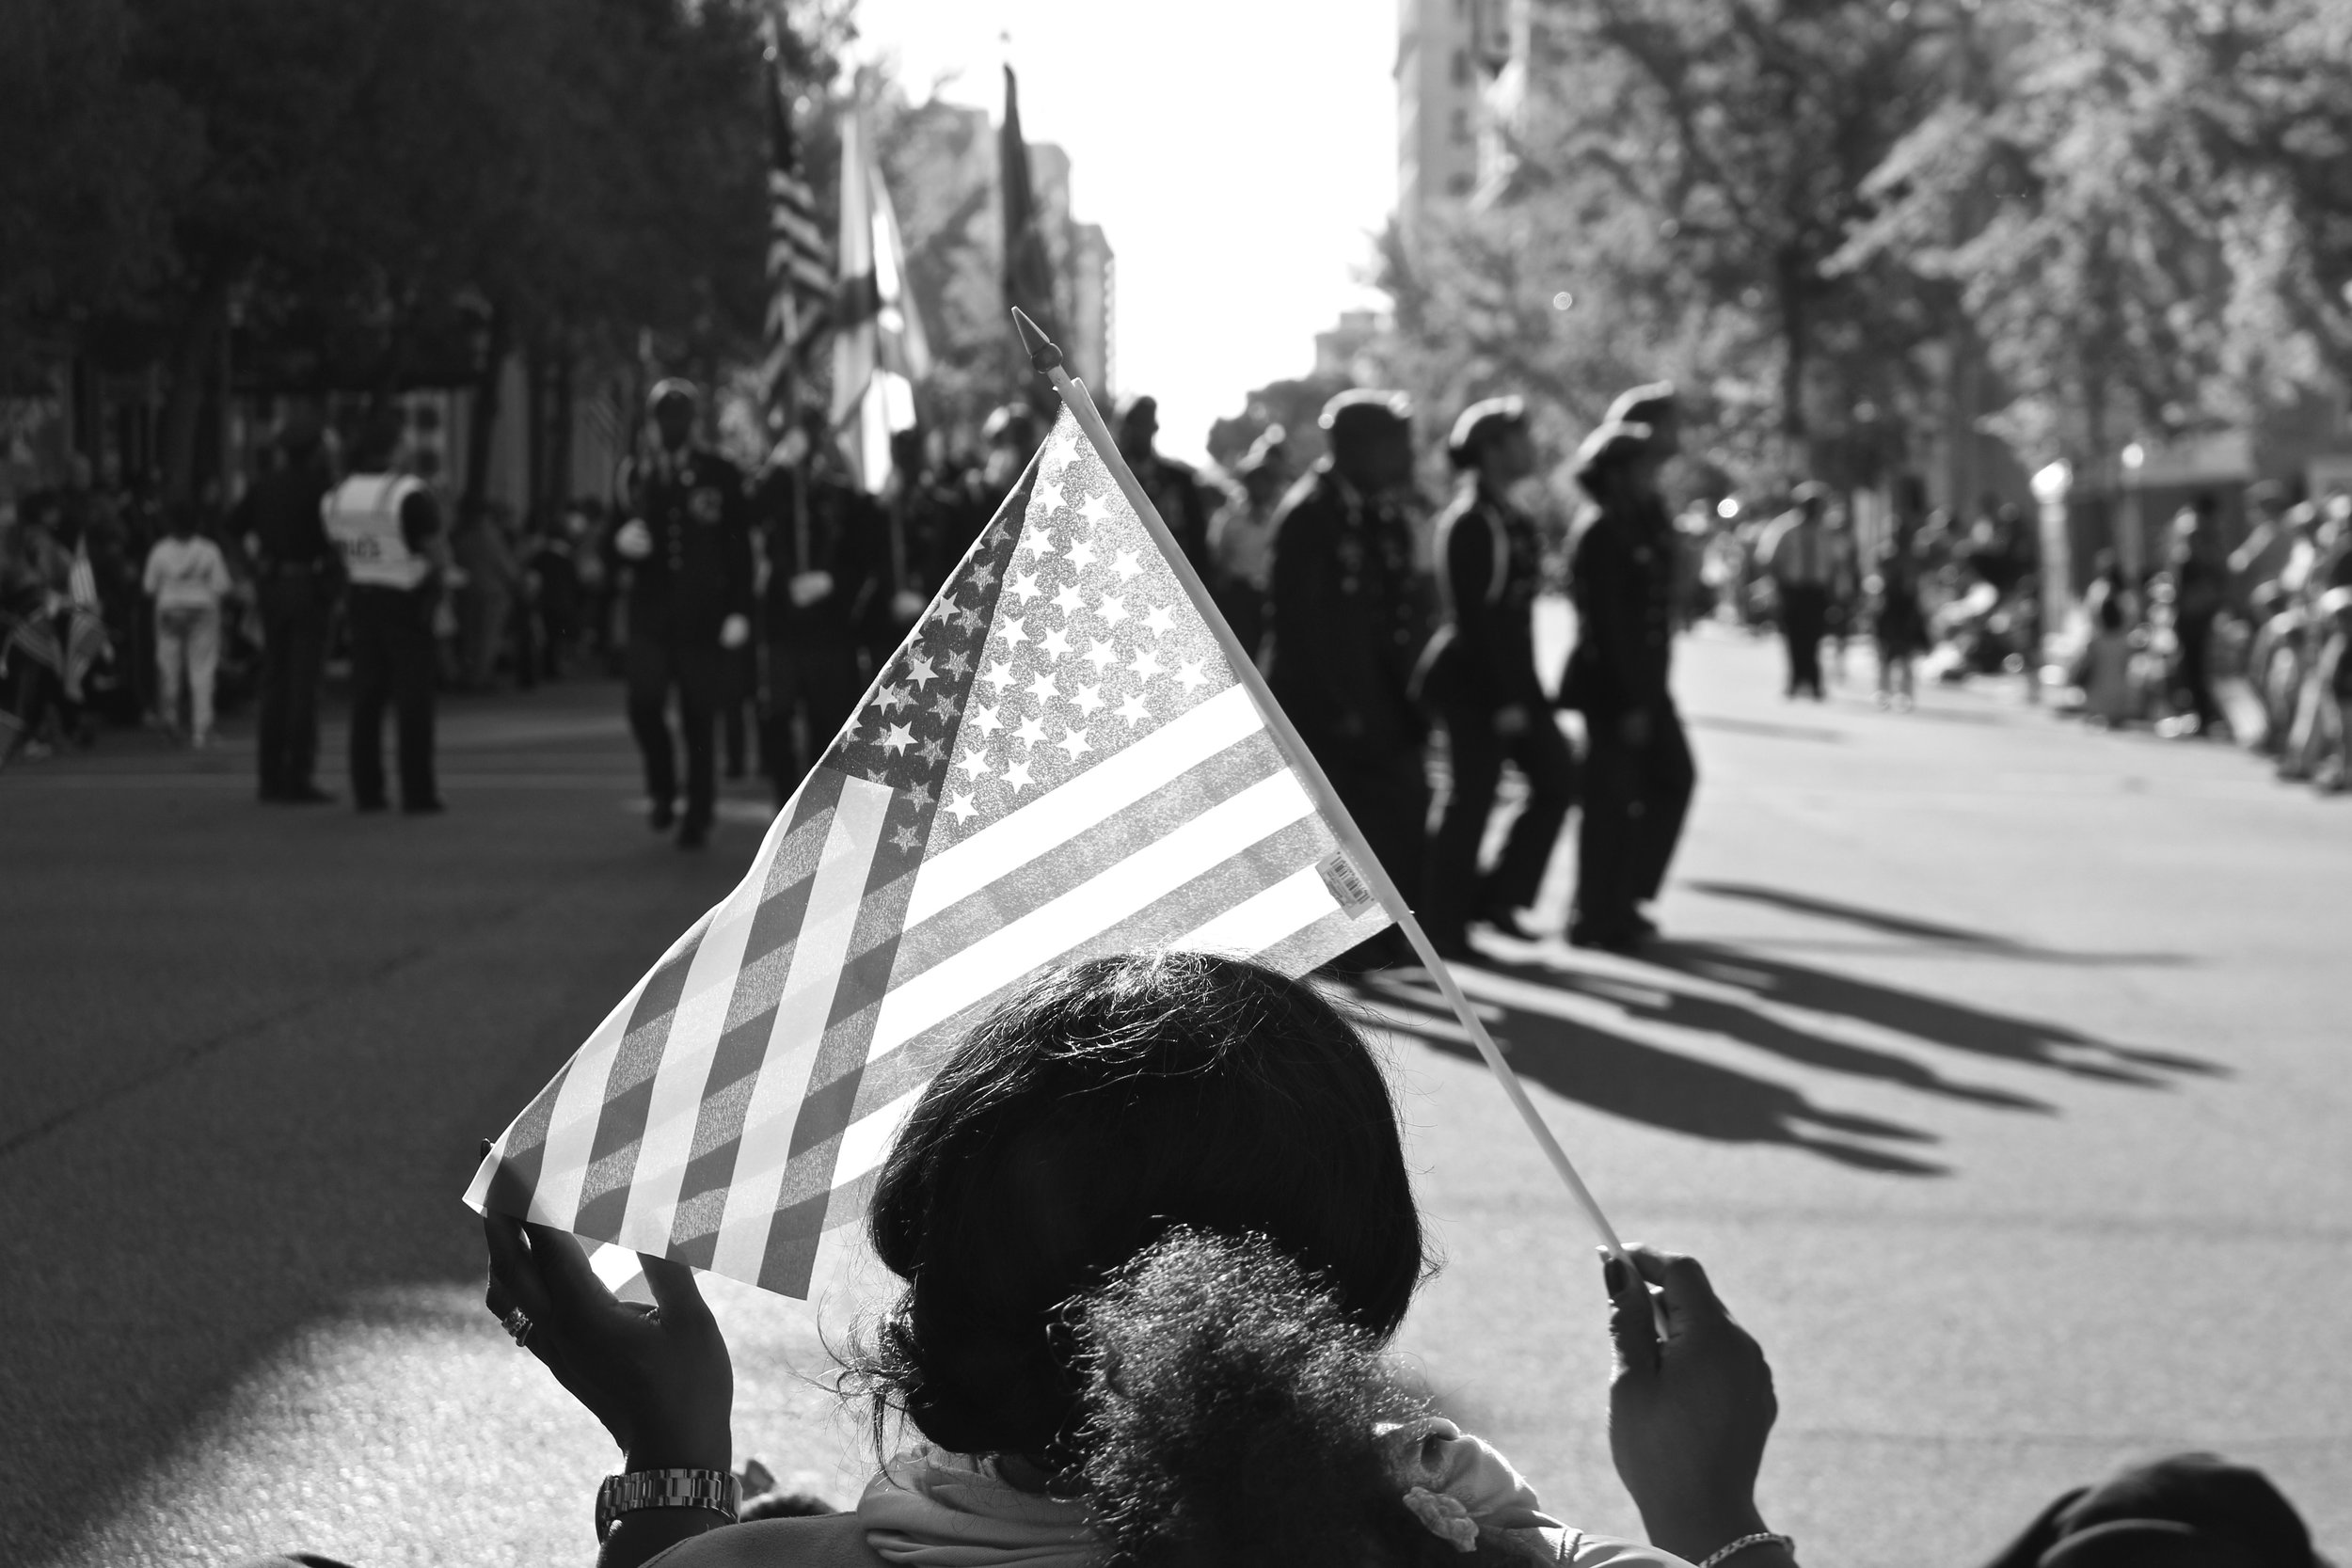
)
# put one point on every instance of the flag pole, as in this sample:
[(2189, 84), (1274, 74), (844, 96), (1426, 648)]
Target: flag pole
[(1047, 359)]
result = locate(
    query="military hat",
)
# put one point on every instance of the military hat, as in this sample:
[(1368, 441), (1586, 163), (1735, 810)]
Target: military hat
[(1481, 422), (1612, 444), (1363, 409), (673, 389), (1811, 493), (1643, 405)]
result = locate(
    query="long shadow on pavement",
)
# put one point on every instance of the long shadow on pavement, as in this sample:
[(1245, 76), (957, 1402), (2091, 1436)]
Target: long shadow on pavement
[(1628, 1077), (1889, 923)]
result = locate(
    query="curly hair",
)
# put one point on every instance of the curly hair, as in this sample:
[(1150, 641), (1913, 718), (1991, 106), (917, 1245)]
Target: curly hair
[(1103, 1105), (1232, 1413)]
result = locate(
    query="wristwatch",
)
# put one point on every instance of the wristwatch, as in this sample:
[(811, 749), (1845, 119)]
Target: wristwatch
[(715, 1490)]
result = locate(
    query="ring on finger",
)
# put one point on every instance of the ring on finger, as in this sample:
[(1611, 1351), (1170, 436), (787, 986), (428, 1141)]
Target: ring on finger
[(518, 1325)]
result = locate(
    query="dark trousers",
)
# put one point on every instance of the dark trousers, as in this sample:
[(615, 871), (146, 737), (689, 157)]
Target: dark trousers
[(1635, 798), (699, 675), (392, 665), (294, 649), (1804, 619), (1389, 798), (2194, 672), (818, 683), (1455, 892)]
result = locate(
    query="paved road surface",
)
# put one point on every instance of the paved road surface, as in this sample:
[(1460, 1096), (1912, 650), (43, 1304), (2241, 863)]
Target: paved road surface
[(1997, 1070)]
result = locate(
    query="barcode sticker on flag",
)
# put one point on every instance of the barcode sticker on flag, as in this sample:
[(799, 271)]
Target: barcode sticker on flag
[(1347, 887), (1059, 763)]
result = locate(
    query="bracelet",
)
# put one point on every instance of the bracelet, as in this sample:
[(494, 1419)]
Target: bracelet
[(715, 1490), (1758, 1539)]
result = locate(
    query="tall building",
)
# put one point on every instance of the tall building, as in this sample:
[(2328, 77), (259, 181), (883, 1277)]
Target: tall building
[(1090, 343), (1455, 83)]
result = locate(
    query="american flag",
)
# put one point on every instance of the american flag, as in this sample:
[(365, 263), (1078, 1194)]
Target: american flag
[(1058, 764), (799, 277)]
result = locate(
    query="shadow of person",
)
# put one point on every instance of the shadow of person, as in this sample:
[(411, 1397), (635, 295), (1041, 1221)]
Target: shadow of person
[(1630, 1078), (1889, 923), (1954, 1025)]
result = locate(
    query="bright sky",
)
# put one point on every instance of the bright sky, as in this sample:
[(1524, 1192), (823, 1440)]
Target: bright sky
[(1238, 154)]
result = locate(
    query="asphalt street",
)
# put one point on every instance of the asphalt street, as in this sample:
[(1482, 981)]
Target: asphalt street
[(1996, 1068)]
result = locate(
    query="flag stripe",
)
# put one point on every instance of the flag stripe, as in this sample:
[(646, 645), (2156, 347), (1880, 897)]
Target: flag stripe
[(1114, 783), (629, 1094), (1258, 923), (580, 1108), (1061, 923), (735, 1062), (516, 1161), (802, 1010), (1113, 838)]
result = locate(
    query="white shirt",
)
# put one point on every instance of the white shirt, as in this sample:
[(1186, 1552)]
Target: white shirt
[(186, 574)]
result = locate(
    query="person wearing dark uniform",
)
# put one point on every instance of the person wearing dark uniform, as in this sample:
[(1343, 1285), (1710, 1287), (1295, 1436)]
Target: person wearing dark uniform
[(384, 525), (1482, 681), (295, 570), (821, 533), (1638, 774), (687, 545), (1175, 490), (1347, 626)]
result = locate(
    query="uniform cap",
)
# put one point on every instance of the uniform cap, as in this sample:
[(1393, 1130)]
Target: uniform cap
[(673, 389), (1643, 405), (1610, 446), (1364, 409), (1482, 423)]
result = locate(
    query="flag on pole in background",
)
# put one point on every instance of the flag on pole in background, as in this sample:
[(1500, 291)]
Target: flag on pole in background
[(1028, 262), (1058, 764), (799, 278), (879, 350)]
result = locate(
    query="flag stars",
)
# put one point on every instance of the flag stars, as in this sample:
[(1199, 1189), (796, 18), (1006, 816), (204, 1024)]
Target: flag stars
[(1016, 633), (999, 675), (1067, 599), (933, 749), (970, 617), (1134, 711), (1046, 498), (920, 796), (1159, 623), (1044, 688), (976, 764), (961, 805), (1188, 675), (944, 705), (898, 739), (1030, 731), (1055, 645), (982, 575), (957, 665), (1126, 566), (1113, 610), (919, 669), (891, 698), (1074, 742), (906, 838), (1017, 775), (1025, 584), (1081, 554), (1145, 664), (1036, 542), (1089, 698), (1095, 510), (985, 719), (1102, 655)]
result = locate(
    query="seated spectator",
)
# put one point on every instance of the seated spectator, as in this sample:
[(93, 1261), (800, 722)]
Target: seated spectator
[(1144, 1309)]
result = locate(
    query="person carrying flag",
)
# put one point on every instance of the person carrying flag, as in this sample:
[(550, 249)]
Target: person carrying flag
[(687, 545), (818, 532)]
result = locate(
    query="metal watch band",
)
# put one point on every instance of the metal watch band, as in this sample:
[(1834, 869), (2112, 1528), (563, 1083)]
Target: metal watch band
[(715, 1490)]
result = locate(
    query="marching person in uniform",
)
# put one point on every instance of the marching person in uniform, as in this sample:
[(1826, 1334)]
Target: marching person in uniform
[(688, 548), (1347, 629), (1482, 681), (1638, 775), (284, 527), (819, 534), (386, 526)]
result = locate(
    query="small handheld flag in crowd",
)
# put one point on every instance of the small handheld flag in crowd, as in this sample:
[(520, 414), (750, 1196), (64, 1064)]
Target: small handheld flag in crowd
[(1065, 759)]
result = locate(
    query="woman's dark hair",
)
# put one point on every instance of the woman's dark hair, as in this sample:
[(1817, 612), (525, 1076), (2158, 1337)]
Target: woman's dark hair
[(1105, 1105), (1233, 1414)]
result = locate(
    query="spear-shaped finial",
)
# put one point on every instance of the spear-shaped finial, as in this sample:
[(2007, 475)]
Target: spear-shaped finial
[(1044, 356)]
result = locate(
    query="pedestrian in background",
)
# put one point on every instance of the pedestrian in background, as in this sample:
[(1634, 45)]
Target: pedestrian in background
[(1176, 492), (1481, 679), (688, 549), (1899, 619), (2199, 592), (489, 580), (819, 535), (295, 579), (1241, 539), (385, 523), (1797, 553), (1638, 772), (1347, 629), (187, 578)]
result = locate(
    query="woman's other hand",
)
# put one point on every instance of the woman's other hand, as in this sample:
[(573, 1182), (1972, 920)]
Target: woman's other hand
[(1687, 1417), (658, 1377)]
